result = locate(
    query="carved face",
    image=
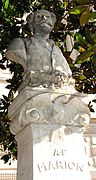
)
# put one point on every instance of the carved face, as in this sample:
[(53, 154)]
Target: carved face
[(44, 21)]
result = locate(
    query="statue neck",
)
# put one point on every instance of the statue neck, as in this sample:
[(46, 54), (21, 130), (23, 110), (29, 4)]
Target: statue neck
[(41, 35)]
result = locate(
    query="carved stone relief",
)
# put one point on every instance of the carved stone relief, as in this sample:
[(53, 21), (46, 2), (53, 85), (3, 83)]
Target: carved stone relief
[(60, 110)]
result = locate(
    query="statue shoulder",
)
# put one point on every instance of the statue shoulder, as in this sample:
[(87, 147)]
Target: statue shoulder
[(56, 49), (16, 52), (16, 43)]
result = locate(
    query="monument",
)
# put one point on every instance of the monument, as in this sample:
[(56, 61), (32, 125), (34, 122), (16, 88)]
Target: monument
[(48, 115)]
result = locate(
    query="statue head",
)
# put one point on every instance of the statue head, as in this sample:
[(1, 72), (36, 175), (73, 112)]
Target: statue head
[(41, 21)]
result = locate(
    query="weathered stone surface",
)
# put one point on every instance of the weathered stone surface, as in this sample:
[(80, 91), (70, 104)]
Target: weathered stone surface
[(58, 156), (48, 152), (49, 107), (49, 131), (60, 110), (48, 115), (42, 60)]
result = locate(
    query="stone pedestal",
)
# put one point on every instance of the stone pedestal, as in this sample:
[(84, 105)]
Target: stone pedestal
[(49, 132)]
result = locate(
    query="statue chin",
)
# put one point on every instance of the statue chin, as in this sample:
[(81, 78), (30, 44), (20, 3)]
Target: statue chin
[(44, 27), (47, 28)]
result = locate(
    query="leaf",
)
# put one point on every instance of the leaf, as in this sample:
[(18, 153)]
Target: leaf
[(6, 4), (93, 48), (94, 60), (85, 17), (3, 102), (5, 158), (93, 15), (84, 56), (77, 9), (82, 77), (79, 38), (8, 86), (65, 4), (89, 36), (91, 109), (81, 49), (30, 1), (94, 100), (95, 37), (9, 80), (5, 98), (84, 1), (2, 67)]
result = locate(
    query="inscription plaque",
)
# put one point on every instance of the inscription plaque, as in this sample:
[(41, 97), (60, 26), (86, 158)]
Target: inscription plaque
[(61, 159)]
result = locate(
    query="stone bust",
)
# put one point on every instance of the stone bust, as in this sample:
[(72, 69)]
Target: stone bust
[(41, 59)]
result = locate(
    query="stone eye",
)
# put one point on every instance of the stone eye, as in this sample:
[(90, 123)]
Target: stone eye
[(38, 16), (43, 16), (48, 16)]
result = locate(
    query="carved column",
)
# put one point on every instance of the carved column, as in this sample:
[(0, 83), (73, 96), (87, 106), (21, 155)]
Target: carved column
[(49, 132)]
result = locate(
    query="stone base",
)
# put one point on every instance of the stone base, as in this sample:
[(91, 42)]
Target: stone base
[(49, 126), (45, 152)]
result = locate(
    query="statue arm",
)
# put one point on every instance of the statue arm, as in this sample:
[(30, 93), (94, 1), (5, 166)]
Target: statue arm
[(16, 52), (59, 61)]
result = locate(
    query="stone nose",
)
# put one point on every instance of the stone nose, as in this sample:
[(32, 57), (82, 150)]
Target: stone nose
[(44, 17)]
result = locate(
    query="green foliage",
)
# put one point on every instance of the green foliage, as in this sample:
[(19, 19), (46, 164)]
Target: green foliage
[(85, 56), (77, 16), (77, 9)]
